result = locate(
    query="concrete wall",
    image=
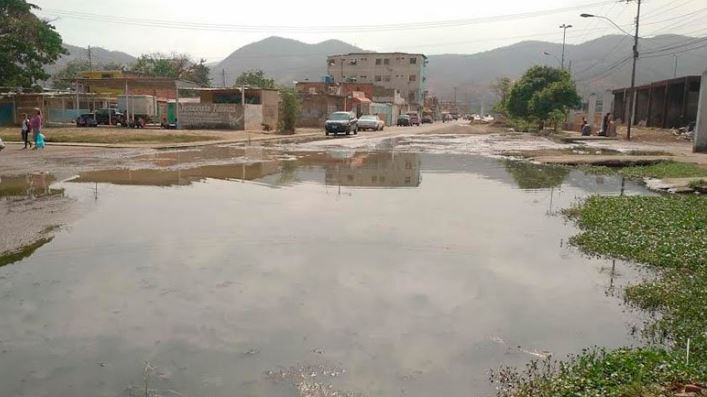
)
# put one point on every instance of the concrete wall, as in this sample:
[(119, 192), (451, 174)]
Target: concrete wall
[(314, 109), (271, 108), (211, 116), (701, 128), (388, 70), (254, 117)]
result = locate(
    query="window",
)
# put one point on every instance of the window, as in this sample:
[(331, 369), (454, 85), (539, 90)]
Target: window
[(413, 61), (386, 61), (413, 77), (363, 77), (378, 78), (386, 78), (411, 97), (364, 59), (379, 61)]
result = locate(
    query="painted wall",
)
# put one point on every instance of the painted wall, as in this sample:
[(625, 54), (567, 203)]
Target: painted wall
[(211, 116)]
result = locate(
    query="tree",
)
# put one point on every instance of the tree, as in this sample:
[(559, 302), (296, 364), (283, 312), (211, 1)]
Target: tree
[(174, 66), (70, 71), (27, 44), (255, 78), (289, 111), (502, 89), (540, 92)]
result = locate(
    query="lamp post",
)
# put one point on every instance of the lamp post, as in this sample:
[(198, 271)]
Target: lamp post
[(564, 28), (635, 60)]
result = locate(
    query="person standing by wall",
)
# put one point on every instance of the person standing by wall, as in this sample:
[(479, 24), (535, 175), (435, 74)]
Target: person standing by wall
[(36, 124), (26, 128)]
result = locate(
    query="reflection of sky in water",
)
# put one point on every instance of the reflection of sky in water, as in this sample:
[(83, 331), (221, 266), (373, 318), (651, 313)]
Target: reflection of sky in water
[(412, 290)]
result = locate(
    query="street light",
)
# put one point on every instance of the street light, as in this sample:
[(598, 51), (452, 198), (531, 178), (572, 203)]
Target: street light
[(635, 59), (564, 28)]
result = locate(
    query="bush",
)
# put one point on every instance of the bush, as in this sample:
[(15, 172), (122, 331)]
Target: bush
[(289, 112)]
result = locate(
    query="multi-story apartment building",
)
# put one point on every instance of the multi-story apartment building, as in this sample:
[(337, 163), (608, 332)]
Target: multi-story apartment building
[(393, 70)]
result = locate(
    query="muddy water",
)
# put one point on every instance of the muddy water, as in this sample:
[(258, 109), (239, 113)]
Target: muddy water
[(376, 274)]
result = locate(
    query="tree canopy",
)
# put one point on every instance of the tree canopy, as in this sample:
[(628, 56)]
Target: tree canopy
[(175, 66), (255, 78), (542, 92), (27, 44)]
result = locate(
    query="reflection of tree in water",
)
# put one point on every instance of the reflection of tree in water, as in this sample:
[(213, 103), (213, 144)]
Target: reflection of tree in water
[(288, 170), (534, 176)]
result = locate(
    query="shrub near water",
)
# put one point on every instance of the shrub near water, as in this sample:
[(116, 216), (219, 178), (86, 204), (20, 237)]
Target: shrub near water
[(669, 233)]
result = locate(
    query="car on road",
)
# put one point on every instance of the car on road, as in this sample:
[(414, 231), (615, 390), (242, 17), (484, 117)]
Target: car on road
[(370, 122), (427, 119), (414, 119), (110, 117), (404, 121), (86, 120), (341, 122)]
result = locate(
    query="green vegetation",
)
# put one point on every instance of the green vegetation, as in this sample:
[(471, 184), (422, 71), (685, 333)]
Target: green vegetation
[(27, 44), (255, 78), (542, 94), (74, 68), (175, 66), (600, 373), (289, 112), (8, 258), (666, 169), (670, 234), (535, 176)]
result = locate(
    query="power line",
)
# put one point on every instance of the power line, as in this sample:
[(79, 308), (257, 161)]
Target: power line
[(184, 25)]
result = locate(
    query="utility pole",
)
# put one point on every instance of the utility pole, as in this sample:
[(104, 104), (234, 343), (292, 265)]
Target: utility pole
[(675, 71), (633, 72), (564, 28), (90, 59), (455, 98), (223, 76)]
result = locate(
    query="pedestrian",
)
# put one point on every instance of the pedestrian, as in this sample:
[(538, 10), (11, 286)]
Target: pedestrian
[(605, 125), (36, 124), (585, 129), (26, 128), (2, 145)]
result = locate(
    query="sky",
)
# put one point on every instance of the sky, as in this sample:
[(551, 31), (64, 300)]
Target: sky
[(212, 29)]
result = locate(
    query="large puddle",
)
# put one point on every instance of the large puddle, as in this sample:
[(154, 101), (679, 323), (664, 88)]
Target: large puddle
[(313, 274)]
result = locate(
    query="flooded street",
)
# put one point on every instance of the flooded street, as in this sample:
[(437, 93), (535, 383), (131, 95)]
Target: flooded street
[(365, 269)]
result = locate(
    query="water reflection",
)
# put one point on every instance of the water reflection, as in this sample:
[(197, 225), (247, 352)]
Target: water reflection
[(29, 186), (354, 169), (535, 176)]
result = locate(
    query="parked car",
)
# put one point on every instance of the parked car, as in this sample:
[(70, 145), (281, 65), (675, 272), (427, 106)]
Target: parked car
[(427, 119), (404, 121), (338, 122), (110, 117), (414, 119), (370, 122), (86, 120)]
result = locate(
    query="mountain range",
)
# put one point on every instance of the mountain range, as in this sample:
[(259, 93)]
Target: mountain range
[(596, 65)]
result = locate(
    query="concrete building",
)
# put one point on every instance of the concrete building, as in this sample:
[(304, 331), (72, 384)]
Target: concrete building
[(662, 104), (402, 72), (700, 144)]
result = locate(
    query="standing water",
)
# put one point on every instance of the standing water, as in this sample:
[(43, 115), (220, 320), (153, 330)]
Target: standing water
[(355, 273)]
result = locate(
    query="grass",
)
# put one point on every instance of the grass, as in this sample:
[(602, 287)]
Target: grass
[(117, 137), (668, 233), (666, 169), (8, 258)]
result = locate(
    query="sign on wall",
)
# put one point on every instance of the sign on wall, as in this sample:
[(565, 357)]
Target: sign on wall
[(211, 115)]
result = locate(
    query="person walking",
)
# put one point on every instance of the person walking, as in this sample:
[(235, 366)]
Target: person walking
[(26, 128), (36, 125), (605, 125)]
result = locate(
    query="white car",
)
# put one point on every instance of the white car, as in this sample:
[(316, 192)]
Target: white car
[(371, 122)]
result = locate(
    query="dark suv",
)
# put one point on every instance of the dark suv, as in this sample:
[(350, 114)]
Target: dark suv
[(338, 122), (86, 120), (110, 117)]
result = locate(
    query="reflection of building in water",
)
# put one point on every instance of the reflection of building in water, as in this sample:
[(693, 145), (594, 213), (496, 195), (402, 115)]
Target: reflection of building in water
[(172, 177), (383, 169)]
